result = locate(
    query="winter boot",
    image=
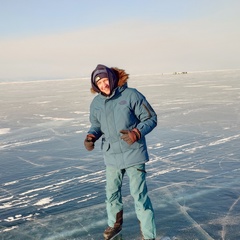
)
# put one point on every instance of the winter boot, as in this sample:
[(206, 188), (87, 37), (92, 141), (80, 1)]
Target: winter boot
[(111, 232)]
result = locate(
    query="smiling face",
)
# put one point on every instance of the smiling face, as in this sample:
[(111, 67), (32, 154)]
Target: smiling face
[(103, 85)]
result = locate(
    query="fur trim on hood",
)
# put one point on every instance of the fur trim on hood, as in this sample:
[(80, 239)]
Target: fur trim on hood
[(122, 77)]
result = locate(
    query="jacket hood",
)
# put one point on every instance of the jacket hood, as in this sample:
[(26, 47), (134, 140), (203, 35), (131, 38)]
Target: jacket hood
[(117, 77)]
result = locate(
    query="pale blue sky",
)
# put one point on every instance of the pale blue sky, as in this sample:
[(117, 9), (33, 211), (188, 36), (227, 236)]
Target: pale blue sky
[(67, 38)]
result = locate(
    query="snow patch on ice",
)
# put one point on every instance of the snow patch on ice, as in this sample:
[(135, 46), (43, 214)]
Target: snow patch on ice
[(5, 199), (20, 217), (178, 147), (224, 140), (79, 112), (43, 201), (59, 203), (9, 229), (23, 143), (155, 146), (4, 131), (42, 102), (58, 119), (10, 183), (5, 205)]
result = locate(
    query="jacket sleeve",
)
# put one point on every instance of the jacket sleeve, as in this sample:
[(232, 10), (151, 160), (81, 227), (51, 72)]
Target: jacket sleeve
[(145, 113), (95, 128)]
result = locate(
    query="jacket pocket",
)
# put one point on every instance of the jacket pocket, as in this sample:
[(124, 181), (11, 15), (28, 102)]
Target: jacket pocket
[(135, 145), (105, 146)]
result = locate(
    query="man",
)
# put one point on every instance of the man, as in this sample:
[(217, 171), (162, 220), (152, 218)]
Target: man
[(122, 117)]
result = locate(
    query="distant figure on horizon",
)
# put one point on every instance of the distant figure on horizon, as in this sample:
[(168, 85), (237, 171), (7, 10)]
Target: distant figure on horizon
[(122, 117)]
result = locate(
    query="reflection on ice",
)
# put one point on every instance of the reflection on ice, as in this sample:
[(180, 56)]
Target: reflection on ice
[(52, 188)]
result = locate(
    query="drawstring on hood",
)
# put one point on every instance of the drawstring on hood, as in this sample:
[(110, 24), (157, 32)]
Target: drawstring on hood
[(117, 77)]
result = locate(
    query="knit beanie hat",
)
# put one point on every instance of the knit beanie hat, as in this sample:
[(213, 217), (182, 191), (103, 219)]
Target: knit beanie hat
[(99, 76)]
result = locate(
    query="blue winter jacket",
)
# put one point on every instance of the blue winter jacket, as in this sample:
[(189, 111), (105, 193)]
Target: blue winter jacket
[(125, 109)]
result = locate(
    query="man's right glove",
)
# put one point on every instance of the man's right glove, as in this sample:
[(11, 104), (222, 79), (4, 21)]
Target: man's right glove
[(89, 142)]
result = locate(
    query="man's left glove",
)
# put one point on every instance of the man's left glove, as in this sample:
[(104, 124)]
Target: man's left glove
[(130, 136), (89, 142)]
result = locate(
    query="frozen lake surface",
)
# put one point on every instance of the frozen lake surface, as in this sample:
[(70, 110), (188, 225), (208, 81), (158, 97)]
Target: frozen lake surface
[(51, 188)]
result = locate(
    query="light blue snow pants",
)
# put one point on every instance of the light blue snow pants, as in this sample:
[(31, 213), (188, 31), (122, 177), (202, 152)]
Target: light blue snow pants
[(138, 189)]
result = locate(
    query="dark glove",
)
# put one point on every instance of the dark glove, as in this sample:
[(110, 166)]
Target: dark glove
[(130, 136), (89, 142)]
